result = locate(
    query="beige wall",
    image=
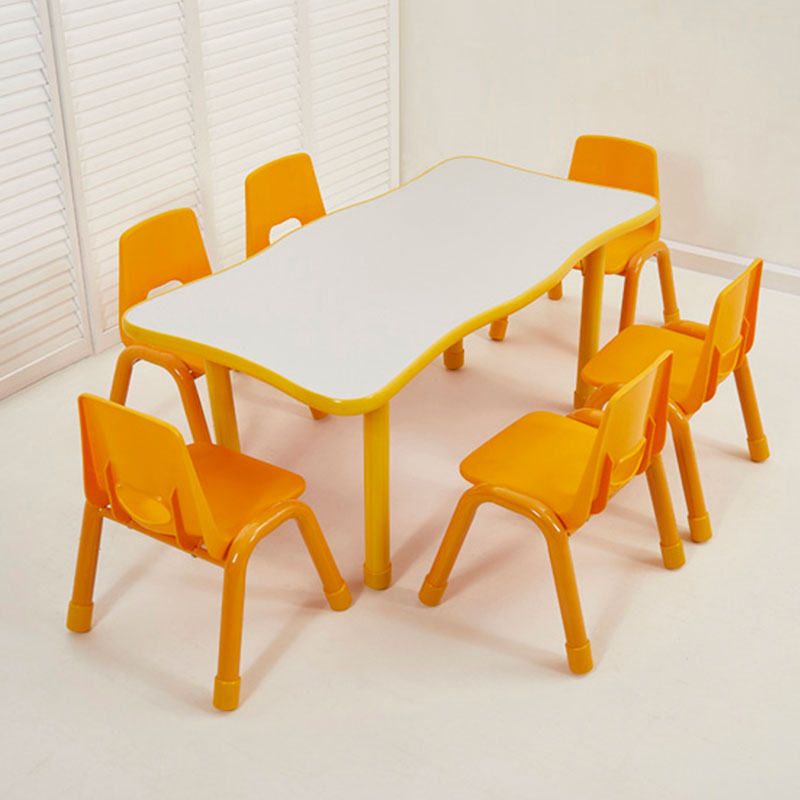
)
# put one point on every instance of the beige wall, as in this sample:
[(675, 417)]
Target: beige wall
[(714, 85)]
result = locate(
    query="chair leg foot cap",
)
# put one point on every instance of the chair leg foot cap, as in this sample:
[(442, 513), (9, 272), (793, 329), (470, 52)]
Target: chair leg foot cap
[(317, 414), (580, 658), (430, 594), (79, 618), (454, 360), (378, 580), (759, 449), (556, 293), (340, 599), (673, 555), (497, 330), (226, 694), (700, 528)]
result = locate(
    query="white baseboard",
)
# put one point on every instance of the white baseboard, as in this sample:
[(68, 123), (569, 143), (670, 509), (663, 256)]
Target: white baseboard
[(715, 262)]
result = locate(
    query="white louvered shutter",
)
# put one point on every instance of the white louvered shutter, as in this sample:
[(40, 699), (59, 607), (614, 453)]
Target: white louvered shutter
[(353, 97), (250, 62), (43, 322), (130, 116)]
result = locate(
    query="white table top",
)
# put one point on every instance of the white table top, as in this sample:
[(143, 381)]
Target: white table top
[(343, 312)]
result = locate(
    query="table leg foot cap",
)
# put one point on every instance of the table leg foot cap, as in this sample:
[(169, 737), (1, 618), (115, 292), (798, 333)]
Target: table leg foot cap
[(79, 618), (580, 658), (672, 555), (226, 694), (700, 528), (759, 449), (380, 579), (497, 330), (340, 599), (430, 594)]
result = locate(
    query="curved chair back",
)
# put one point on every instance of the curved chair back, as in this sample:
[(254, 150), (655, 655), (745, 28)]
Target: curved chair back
[(730, 335), (632, 430), (166, 247), (281, 190), (619, 164), (140, 467)]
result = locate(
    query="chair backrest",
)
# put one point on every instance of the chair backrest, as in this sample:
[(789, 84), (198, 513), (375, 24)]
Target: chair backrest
[(281, 190), (731, 333), (619, 164), (166, 247), (632, 430), (141, 468)]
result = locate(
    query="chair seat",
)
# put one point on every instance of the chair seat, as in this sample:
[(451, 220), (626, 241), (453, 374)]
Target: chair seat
[(239, 488), (634, 349), (542, 455)]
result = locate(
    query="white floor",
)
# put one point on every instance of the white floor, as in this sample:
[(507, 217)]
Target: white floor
[(694, 692)]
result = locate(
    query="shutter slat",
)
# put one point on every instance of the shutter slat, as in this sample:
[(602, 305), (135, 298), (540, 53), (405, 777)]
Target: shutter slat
[(139, 101), (44, 261), (17, 12), (97, 160), (34, 153), (41, 335), (76, 17), (103, 34), (16, 223), (107, 78)]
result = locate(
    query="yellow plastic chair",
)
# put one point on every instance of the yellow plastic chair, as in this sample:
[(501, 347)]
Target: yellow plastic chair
[(212, 502), (621, 164), (557, 471), (164, 248), (284, 189), (161, 249), (704, 355)]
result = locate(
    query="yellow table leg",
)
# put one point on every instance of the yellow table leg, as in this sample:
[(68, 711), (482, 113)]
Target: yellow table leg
[(222, 410), (377, 566), (591, 304)]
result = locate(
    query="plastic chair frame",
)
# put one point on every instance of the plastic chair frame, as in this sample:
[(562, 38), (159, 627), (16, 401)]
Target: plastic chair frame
[(630, 272), (227, 682), (556, 533), (294, 175), (711, 371)]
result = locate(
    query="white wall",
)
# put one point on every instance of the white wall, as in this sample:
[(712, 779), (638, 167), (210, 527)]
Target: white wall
[(714, 85)]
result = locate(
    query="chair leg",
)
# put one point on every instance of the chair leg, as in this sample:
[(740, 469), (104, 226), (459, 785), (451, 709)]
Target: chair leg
[(122, 376), (579, 649), (699, 522), (756, 438), (557, 292), (671, 544), (667, 280), (435, 583), (79, 615), (497, 330), (454, 355), (316, 413), (180, 373), (333, 584), (228, 681), (629, 296)]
